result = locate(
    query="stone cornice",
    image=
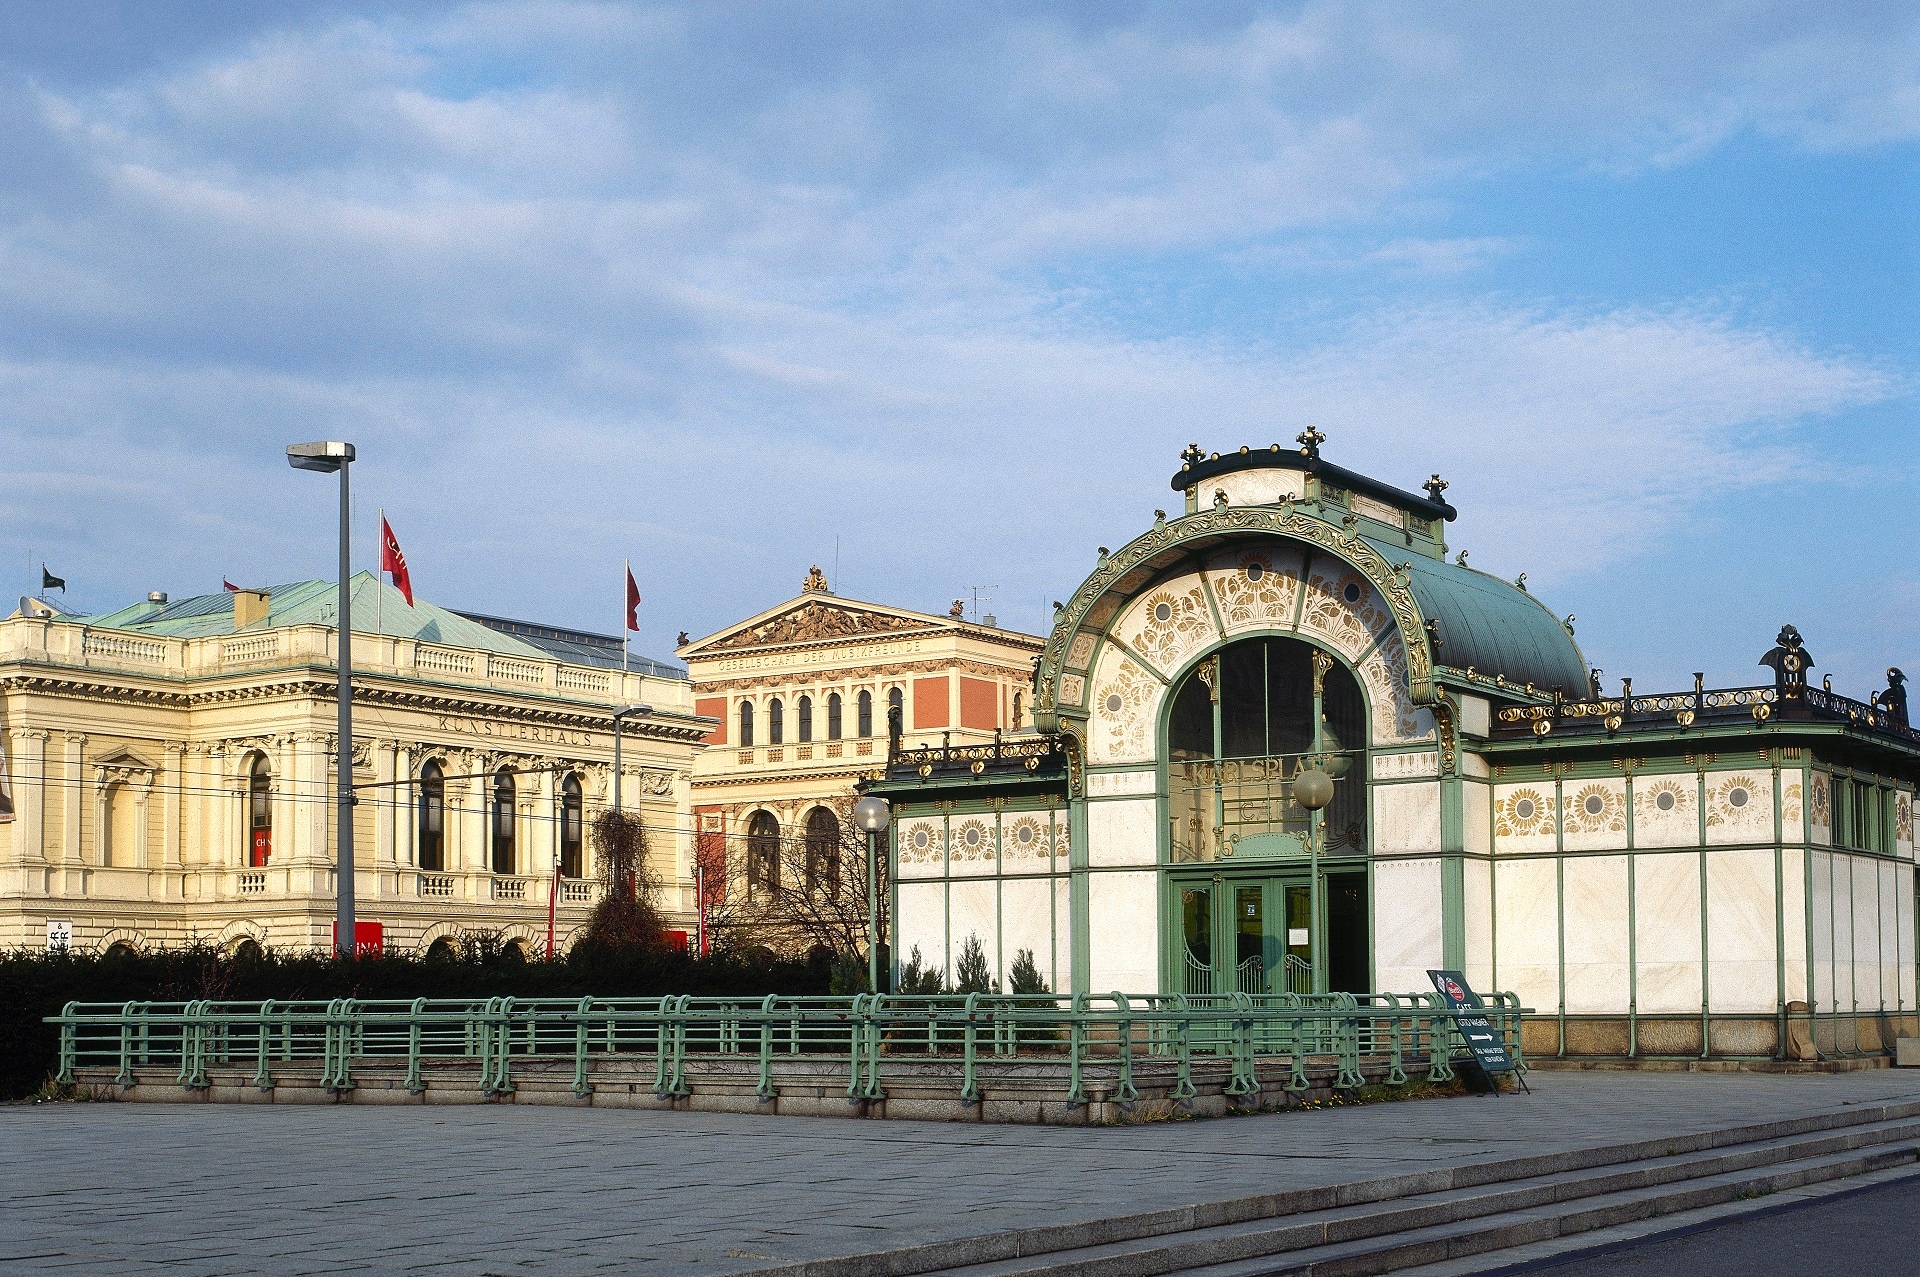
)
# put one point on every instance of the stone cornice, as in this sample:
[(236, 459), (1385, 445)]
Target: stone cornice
[(801, 679)]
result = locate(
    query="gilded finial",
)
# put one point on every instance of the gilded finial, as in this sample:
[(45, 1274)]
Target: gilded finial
[(1193, 456), (1435, 486), (1521, 581), (1310, 440)]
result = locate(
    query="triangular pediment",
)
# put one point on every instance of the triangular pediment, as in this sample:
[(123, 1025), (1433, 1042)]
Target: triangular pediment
[(812, 619)]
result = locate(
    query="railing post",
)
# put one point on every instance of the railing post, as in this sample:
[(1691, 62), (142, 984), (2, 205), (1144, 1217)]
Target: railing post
[(1076, 1049), (1350, 1077), (1396, 1065), (970, 1042), (855, 1031), (765, 1089), (69, 1044), (413, 1083), (582, 1013), (262, 1076), (1439, 1041), (1183, 1088), (1125, 1091), (125, 1077)]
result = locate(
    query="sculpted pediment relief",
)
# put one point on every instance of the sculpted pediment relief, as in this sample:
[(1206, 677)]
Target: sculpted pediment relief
[(813, 621)]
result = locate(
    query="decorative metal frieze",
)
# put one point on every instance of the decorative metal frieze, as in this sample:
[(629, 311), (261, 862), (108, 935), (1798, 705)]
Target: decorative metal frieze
[(1092, 606)]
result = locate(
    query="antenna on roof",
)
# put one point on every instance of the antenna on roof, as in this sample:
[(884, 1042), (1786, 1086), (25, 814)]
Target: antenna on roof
[(975, 590)]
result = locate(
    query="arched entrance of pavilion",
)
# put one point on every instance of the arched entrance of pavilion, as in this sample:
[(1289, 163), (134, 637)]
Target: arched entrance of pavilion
[(1263, 895)]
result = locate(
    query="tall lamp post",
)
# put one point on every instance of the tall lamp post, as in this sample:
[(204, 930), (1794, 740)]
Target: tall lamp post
[(873, 816), (1313, 789), (326, 458)]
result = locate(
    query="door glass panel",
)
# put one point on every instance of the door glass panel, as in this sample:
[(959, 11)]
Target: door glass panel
[(1196, 926), (1299, 977), (1347, 940), (1249, 925)]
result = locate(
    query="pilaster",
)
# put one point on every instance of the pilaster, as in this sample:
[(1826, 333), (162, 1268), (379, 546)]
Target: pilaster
[(73, 745), (29, 788)]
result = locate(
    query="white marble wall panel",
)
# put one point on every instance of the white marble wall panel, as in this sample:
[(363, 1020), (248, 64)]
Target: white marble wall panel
[(1527, 945), (1026, 922), (1667, 932), (1891, 981), (1739, 806), (1666, 811), (921, 848), (1843, 994), (1410, 765), (1821, 913), (1026, 839), (922, 923), (1820, 806), (1741, 971), (1120, 784), (1475, 765), (1476, 717), (1256, 587), (1123, 948), (972, 910), (1168, 624), (1596, 922), (970, 846), (1523, 818), (1256, 487), (1122, 832), (1903, 939), (1063, 933), (1865, 917), (1793, 912), (1478, 888), (1476, 813), (1595, 816), (1407, 938), (1406, 817), (1123, 710)]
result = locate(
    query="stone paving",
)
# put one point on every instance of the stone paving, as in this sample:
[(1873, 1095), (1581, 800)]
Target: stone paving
[(217, 1189)]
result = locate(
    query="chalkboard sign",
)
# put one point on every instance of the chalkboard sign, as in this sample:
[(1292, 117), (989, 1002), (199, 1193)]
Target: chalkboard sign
[(1482, 1038)]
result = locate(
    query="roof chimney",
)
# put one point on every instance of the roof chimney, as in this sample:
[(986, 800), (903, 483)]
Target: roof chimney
[(249, 608), (157, 596)]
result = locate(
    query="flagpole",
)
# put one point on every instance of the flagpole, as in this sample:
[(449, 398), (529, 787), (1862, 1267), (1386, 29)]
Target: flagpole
[(626, 566), (379, 558)]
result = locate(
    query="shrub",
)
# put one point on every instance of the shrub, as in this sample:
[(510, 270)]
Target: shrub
[(970, 973), (915, 978), (1024, 976)]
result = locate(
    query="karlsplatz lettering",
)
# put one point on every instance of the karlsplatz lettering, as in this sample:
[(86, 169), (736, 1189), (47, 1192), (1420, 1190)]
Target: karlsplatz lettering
[(517, 731)]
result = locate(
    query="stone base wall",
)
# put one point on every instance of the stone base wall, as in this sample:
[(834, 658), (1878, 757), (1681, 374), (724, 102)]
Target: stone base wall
[(1749, 1038)]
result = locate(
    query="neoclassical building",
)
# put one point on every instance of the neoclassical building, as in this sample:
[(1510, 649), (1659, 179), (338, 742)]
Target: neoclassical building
[(169, 769), (1678, 874), (804, 693)]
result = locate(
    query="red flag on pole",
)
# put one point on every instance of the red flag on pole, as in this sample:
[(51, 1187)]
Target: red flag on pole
[(231, 587), (633, 603), (392, 560)]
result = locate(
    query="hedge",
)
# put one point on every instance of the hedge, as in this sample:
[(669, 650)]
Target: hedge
[(34, 985)]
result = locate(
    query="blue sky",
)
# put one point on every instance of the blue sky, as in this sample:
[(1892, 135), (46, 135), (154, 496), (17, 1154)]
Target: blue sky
[(720, 287)]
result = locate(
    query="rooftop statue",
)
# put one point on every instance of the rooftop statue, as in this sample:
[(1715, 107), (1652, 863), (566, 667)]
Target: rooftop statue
[(1790, 663)]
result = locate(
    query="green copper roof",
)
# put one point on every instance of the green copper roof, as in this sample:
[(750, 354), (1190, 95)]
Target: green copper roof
[(378, 608), (1490, 625)]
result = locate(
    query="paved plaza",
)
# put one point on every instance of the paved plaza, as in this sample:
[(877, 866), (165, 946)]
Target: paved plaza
[(205, 1189)]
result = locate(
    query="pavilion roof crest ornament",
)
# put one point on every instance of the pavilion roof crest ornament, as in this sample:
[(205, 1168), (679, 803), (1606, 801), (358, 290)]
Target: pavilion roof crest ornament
[(1310, 440), (816, 582)]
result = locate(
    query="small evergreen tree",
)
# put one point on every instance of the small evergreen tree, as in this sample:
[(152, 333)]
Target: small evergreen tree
[(970, 973), (1024, 977), (917, 978)]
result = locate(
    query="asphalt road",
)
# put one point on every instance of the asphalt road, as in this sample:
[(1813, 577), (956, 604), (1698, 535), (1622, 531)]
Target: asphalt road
[(1876, 1231)]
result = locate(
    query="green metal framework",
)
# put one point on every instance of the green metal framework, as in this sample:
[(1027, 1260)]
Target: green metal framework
[(864, 1036)]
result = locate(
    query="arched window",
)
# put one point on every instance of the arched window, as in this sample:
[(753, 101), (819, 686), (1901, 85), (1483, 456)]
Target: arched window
[(776, 722), (1234, 747), (746, 724), (763, 853), (259, 814), (503, 822), (433, 818), (442, 950), (896, 711), (806, 720), (572, 822), (823, 851), (863, 710), (1016, 710), (833, 716)]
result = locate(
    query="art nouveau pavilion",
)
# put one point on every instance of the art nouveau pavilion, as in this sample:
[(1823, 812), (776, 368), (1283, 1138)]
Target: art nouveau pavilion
[(1684, 874)]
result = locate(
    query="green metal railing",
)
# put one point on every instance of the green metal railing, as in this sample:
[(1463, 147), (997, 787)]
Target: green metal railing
[(862, 1037)]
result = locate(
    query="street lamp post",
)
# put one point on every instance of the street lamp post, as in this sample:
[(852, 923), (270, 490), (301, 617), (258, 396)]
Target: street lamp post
[(326, 458), (873, 816), (631, 711)]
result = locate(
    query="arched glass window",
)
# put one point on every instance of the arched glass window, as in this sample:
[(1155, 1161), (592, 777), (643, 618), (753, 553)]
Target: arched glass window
[(1234, 747), (746, 724), (833, 716), (896, 711), (572, 827), (503, 822), (1016, 710), (806, 720), (864, 711), (776, 722), (433, 818), (763, 853), (823, 851), (259, 813)]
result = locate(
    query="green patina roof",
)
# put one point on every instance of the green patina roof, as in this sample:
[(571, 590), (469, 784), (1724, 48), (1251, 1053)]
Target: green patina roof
[(315, 603), (1491, 625)]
